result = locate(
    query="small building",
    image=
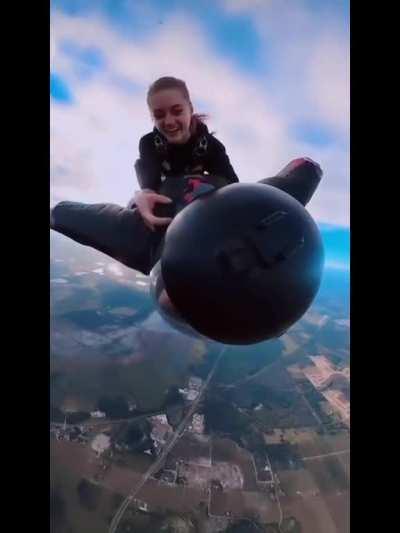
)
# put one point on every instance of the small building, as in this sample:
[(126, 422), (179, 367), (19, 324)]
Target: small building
[(195, 383), (101, 443), (216, 485), (142, 506), (132, 406), (198, 423), (97, 414), (168, 476), (159, 433), (160, 428), (192, 395), (189, 394), (74, 433)]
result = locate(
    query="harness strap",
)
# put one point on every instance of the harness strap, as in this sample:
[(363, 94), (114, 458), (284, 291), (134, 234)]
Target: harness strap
[(199, 151)]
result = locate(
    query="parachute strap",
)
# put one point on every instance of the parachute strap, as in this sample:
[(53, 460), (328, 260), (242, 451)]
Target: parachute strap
[(199, 151), (160, 145), (198, 154), (201, 147), (162, 150)]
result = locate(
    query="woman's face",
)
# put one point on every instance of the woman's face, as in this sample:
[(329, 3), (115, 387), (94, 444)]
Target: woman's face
[(172, 115)]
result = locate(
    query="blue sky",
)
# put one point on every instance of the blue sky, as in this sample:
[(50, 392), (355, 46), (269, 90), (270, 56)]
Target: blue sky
[(336, 241), (272, 74), (132, 21)]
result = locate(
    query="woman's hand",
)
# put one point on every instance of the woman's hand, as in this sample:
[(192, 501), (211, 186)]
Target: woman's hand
[(145, 201)]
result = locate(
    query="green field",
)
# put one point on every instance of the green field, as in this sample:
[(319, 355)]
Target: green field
[(144, 376), (74, 511)]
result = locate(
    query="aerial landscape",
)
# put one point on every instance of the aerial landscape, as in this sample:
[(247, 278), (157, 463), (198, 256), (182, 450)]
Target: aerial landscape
[(152, 430)]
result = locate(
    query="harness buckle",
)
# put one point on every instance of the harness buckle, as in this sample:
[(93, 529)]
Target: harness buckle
[(201, 146)]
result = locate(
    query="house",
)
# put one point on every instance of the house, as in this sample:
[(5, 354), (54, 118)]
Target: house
[(189, 394), (195, 383), (142, 506), (97, 414), (101, 443), (160, 428), (198, 423)]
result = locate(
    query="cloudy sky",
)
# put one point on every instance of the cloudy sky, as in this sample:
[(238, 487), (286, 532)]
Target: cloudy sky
[(272, 74)]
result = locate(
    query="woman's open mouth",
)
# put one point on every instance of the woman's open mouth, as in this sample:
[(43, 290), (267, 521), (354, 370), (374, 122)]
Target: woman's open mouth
[(172, 132)]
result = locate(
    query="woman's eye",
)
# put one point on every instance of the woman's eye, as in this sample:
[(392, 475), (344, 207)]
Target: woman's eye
[(177, 112), (158, 115)]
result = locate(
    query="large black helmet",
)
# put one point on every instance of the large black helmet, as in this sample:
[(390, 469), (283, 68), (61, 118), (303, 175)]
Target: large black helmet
[(243, 263)]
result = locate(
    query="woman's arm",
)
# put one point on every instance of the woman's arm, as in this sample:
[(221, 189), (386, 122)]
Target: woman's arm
[(148, 174), (147, 167), (219, 163)]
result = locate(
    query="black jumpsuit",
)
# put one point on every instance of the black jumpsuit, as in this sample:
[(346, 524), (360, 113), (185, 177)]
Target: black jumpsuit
[(120, 231)]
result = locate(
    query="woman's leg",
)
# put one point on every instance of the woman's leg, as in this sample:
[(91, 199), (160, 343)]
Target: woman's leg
[(299, 178), (114, 230)]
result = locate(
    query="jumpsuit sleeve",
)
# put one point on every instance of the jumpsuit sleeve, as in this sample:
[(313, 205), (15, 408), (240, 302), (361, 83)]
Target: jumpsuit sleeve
[(219, 163), (147, 167)]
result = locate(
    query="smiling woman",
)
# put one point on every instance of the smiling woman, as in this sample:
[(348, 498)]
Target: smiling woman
[(180, 144), (177, 159), (172, 110), (172, 115)]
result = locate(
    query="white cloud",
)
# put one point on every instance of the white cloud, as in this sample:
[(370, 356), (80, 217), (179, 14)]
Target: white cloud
[(115, 269), (337, 265), (328, 82), (94, 141), (238, 6)]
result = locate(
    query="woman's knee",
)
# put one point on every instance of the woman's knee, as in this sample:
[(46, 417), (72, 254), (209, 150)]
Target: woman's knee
[(300, 178)]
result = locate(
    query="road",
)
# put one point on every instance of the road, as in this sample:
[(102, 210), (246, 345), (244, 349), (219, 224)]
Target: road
[(312, 457), (110, 421), (170, 444)]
